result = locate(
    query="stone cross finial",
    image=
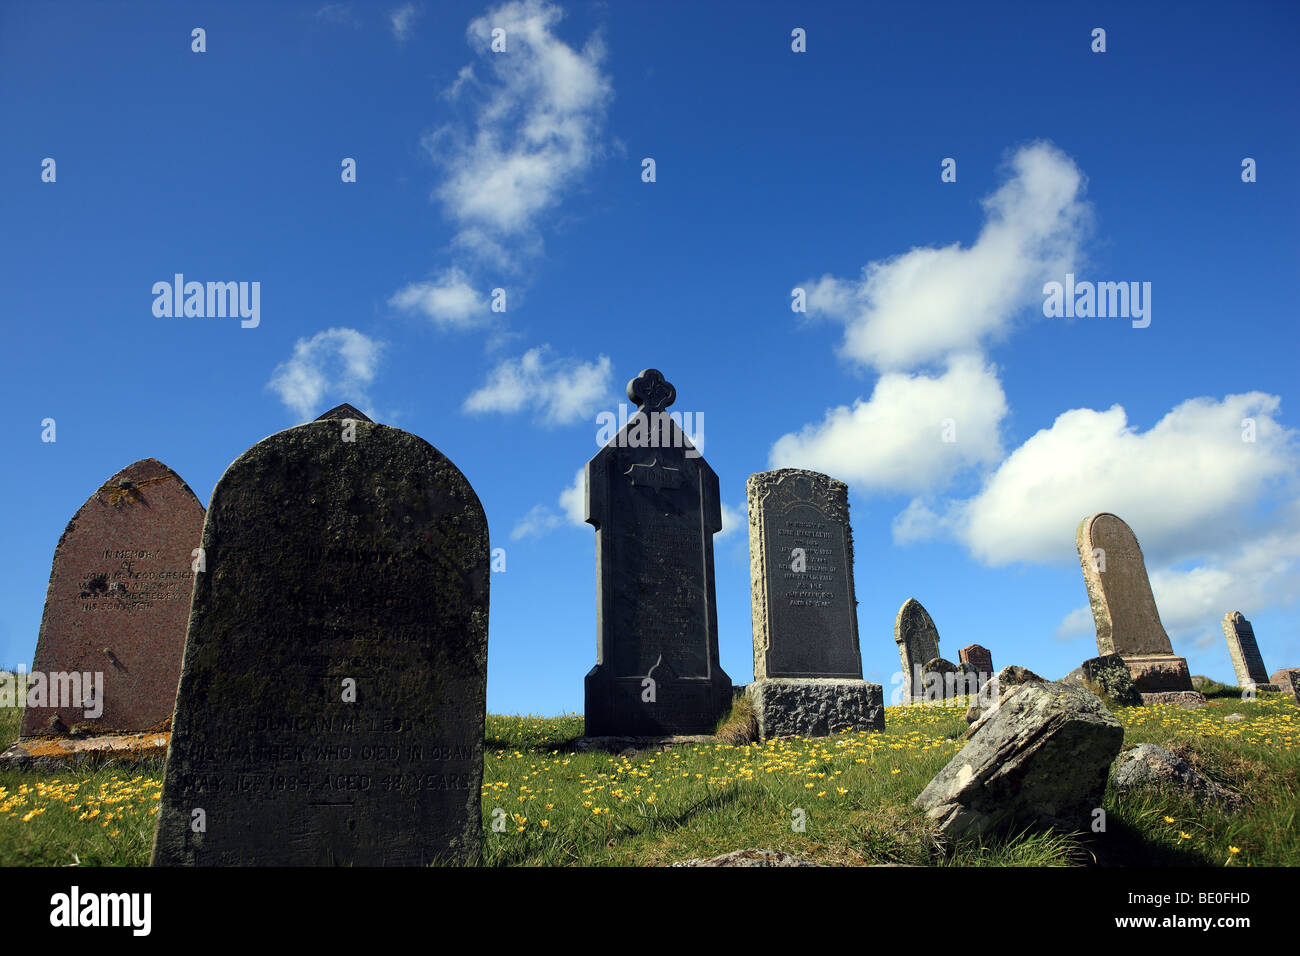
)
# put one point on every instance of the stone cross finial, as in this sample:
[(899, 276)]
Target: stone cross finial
[(651, 391)]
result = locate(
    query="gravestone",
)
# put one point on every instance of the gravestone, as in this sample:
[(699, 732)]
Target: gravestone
[(1244, 651), (939, 679), (918, 642), (807, 663), (331, 701), (1124, 611), (117, 606), (654, 503), (980, 658)]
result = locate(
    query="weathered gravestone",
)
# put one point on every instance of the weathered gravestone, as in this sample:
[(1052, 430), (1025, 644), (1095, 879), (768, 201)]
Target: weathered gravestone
[(807, 663), (1124, 610), (1244, 651), (109, 651), (332, 696), (918, 642), (980, 658), (654, 503)]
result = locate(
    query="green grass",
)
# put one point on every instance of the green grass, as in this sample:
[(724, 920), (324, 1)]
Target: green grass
[(852, 793)]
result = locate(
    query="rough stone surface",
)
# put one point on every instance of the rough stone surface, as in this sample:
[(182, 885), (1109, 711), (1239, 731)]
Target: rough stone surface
[(1183, 699), (750, 858), (1286, 681), (803, 602), (60, 754), (942, 680), (331, 702), (1243, 649), (918, 641), (1123, 606), (1040, 757), (1109, 678), (1148, 765), (816, 707), (117, 604), (654, 503)]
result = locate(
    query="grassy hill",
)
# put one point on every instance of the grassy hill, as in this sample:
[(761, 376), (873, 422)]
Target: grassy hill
[(552, 806)]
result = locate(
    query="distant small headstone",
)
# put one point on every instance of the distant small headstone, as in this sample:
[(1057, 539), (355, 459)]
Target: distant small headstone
[(1244, 652), (1124, 610), (655, 506), (113, 630), (331, 703), (918, 642), (807, 662), (980, 658), (1286, 681), (939, 679)]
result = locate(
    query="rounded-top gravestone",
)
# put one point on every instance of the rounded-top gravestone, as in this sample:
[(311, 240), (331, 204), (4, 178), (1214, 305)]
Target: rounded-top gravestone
[(108, 655), (332, 697)]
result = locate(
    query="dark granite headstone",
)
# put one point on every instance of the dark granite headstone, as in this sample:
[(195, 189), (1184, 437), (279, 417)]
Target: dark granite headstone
[(117, 605), (801, 576), (1244, 651), (654, 503), (332, 697), (918, 642)]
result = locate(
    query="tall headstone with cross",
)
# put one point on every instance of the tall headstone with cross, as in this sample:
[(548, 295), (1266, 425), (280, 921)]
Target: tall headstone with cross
[(331, 701), (113, 630), (1244, 651), (654, 503), (1124, 611), (807, 663)]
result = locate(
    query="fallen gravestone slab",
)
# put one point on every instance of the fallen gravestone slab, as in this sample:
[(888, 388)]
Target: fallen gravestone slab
[(1040, 757), (750, 858), (1147, 765)]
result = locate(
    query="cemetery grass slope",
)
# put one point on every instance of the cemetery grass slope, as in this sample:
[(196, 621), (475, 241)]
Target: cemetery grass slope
[(545, 805)]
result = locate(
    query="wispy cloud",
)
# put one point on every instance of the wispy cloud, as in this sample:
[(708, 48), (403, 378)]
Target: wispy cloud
[(558, 391), (401, 21), (331, 367), (924, 304), (450, 301)]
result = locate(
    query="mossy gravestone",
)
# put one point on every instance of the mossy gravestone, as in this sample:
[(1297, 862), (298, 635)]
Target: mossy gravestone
[(332, 696), (654, 503), (116, 607)]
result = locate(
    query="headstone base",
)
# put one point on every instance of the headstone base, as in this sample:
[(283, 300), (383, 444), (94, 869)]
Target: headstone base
[(62, 754), (816, 706), (1186, 699), (1159, 672), (1270, 688), (618, 706)]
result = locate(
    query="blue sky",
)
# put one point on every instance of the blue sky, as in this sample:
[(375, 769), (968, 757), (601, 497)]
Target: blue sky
[(774, 170)]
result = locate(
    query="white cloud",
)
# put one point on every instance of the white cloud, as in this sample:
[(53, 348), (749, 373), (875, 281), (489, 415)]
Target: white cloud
[(538, 126), (540, 519), (336, 364), (338, 13), (733, 520), (401, 20), (1188, 486), (920, 306), (895, 439), (573, 499), (1078, 623), (560, 391), (450, 301)]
